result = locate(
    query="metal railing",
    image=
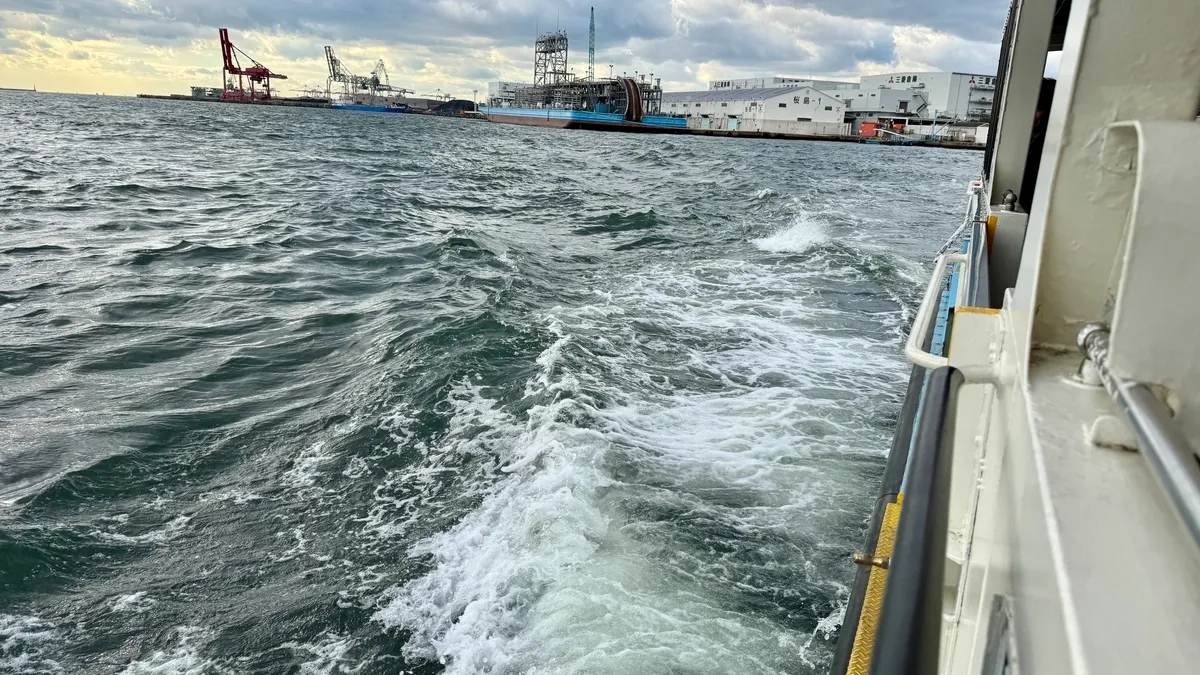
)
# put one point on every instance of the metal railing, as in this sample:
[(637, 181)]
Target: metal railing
[(910, 624), (914, 349), (1170, 455), (978, 281)]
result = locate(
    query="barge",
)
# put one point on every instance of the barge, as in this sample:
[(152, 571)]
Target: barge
[(584, 119)]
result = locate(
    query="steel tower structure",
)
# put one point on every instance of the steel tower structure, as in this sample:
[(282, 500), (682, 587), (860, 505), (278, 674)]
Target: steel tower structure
[(592, 47), (550, 59)]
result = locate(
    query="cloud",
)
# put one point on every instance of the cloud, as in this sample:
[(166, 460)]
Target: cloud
[(468, 42)]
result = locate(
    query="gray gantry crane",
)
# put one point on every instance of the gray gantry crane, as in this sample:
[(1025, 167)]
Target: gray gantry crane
[(367, 89)]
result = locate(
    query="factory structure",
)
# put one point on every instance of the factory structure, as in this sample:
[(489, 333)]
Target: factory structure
[(793, 110), (558, 97), (951, 106)]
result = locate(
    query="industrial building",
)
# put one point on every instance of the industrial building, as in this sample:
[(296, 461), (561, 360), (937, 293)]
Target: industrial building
[(504, 94), (963, 97), (776, 82), (940, 104), (800, 110), (959, 96)]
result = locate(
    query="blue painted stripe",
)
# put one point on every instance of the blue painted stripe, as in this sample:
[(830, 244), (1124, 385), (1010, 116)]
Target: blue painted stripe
[(584, 116), (941, 331)]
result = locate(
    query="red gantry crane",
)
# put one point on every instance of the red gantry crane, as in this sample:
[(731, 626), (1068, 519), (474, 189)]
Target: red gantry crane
[(255, 74)]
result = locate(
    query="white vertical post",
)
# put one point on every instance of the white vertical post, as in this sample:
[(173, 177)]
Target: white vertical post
[(1022, 82)]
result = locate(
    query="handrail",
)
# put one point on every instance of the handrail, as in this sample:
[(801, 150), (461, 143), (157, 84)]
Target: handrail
[(979, 283), (914, 348), (972, 216), (1170, 455), (910, 624)]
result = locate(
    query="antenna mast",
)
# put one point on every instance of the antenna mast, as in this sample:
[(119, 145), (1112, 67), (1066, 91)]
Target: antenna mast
[(592, 47)]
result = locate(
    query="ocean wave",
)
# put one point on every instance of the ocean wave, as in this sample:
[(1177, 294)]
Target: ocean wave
[(28, 644), (181, 658), (616, 500), (539, 401), (803, 234)]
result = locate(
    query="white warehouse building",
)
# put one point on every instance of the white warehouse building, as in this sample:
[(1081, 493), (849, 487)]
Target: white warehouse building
[(781, 110), (777, 82), (961, 96), (503, 94)]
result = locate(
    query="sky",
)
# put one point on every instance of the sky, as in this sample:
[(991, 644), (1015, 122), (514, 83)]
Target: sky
[(456, 46)]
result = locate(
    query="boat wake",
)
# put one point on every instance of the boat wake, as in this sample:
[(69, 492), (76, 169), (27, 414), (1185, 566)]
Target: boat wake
[(675, 465)]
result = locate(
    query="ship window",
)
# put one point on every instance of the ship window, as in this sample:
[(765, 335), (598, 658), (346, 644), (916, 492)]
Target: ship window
[(724, 105), (697, 105), (829, 107), (782, 105)]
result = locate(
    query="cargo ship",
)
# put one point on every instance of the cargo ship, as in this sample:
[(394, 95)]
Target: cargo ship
[(1040, 508)]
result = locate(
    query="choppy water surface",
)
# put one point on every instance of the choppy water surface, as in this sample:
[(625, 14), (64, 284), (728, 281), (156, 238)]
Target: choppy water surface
[(303, 391)]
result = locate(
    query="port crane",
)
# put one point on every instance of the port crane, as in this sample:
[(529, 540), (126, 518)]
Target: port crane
[(372, 85), (256, 74)]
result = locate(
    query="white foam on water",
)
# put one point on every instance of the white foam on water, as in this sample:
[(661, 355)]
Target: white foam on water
[(802, 234), (182, 659), (477, 424), (238, 497), (27, 644), (308, 465), (327, 656), (173, 529), (827, 628), (599, 551), (134, 602)]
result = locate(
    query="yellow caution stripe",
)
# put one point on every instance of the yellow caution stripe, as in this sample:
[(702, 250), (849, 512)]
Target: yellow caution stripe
[(868, 620)]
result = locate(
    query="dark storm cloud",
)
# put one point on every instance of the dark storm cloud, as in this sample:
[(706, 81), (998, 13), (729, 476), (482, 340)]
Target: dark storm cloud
[(502, 22), (838, 46)]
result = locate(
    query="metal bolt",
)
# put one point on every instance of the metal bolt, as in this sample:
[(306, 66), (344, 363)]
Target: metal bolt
[(871, 560)]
